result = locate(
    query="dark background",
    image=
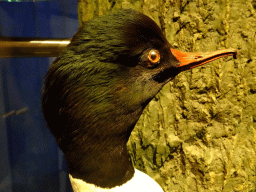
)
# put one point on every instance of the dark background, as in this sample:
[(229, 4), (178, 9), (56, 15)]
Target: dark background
[(29, 157)]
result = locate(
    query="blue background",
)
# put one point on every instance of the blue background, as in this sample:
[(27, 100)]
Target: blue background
[(29, 157)]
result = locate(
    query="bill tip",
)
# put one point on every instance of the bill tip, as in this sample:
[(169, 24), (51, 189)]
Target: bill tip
[(235, 54)]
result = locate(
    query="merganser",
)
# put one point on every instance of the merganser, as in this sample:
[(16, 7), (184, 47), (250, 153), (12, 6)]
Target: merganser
[(96, 90)]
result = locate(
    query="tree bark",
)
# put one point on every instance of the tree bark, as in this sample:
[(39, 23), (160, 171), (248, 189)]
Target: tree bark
[(198, 134)]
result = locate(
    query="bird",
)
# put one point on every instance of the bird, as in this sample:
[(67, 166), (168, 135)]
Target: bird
[(96, 90)]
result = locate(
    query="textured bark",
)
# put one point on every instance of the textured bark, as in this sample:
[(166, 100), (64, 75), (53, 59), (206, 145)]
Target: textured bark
[(198, 134)]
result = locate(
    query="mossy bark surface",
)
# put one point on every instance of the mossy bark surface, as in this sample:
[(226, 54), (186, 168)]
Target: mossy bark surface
[(199, 133)]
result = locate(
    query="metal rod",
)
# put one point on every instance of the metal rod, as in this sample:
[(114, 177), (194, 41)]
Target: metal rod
[(31, 47)]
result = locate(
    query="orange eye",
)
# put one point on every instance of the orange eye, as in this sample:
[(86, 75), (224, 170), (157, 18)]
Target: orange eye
[(154, 56)]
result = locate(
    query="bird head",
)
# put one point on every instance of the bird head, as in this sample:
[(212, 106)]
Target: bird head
[(98, 87)]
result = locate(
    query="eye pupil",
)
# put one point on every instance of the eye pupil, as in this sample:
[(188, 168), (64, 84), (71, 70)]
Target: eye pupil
[(153, 56)]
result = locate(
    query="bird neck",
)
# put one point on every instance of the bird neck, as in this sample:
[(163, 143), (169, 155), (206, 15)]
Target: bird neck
[(106, 168), (100, 156)]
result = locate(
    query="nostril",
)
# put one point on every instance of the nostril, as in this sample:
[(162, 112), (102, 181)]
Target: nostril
[(198, 57)]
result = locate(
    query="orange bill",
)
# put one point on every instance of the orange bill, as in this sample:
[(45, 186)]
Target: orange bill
[(191, 60)]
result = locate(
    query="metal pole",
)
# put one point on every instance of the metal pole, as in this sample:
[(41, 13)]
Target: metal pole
[(31, 47)]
